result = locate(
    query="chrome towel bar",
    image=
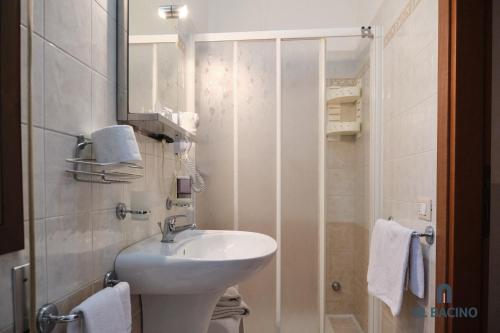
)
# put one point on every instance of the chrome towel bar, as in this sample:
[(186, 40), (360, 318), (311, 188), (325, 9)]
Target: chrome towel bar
[(428, 233), (48, 315)]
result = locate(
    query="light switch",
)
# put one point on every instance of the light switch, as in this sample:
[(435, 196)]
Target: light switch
[(424, 208)]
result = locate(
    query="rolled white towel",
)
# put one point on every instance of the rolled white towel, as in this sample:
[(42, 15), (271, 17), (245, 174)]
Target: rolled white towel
[(115, 144)]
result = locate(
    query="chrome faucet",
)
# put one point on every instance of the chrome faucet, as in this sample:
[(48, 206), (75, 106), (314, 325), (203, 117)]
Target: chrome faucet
[(170, 230)]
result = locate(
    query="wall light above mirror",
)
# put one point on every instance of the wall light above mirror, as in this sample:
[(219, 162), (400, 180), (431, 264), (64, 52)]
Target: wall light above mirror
[(173, 12)]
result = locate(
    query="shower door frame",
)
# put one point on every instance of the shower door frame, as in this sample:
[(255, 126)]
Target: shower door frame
[(375, 202)]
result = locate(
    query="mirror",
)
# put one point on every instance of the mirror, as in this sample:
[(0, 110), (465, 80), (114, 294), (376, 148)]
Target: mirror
[(151, 66), (11, 181), (153, 59)]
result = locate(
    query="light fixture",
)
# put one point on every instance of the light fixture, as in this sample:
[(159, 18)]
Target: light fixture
[(173, 12)]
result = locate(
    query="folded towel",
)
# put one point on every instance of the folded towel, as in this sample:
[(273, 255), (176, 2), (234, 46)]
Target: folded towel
[(230, 298), (241, 310), (123, 290), (189, 121), (103, 312), (416, 273), (226, 325), (388, 264)]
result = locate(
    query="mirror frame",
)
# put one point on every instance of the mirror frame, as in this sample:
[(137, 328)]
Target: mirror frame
[(122, 52), (11, 165)]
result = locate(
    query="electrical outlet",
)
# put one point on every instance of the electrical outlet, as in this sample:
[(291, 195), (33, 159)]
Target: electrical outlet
[(424, 208)]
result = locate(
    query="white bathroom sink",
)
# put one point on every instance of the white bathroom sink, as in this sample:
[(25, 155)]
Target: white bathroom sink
[(198, 261), (180, 282)]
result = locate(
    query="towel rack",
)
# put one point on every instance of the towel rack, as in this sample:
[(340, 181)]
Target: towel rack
[(48, 315), (428, 233), (103, 176)]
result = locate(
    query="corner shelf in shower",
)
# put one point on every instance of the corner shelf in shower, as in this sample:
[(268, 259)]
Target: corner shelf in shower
[(154, 124), (343, 94), (344, 111)]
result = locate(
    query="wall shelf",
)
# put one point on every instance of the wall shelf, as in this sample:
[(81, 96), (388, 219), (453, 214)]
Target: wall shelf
[(156, 125), (344, 110), (339, 94), (343, 128)]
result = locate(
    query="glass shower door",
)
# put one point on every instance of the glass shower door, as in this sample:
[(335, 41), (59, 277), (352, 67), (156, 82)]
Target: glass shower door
[(268, 166)]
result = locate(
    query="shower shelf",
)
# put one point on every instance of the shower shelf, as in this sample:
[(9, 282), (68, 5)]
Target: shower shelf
[(106, 172), (156, 125), (339, 95)]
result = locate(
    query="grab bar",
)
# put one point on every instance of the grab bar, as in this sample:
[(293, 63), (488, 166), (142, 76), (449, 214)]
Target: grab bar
[(48, 315)]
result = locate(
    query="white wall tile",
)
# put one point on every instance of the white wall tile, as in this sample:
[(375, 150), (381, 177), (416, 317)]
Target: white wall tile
[(63, 194), (37, 79), (68, 25), (109, 6), (106, 196), (103, 102), (108, 240), (69, 254), (67, 93), (103, 42)]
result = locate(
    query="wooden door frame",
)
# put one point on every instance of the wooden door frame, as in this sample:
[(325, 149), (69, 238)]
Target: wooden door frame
[(464, 68), (11, 196)]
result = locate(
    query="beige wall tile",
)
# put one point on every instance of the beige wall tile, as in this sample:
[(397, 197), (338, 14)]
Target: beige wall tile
[(103, 102), (68, 91), (68, 25), (69, 254), (108, 239), (103, 42), (63, 195)]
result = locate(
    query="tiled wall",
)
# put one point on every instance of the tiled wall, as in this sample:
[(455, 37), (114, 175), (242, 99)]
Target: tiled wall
[(78, 236), (409, 133)]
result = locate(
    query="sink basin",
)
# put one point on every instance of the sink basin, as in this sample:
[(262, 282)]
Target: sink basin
[(181, 282)]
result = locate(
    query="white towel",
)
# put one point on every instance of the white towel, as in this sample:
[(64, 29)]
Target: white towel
[(189, 121), (416, 273), (115, 144), (387, 268), (103, 312), (241, 310), (230, 298), (226, 325), (123, 289)]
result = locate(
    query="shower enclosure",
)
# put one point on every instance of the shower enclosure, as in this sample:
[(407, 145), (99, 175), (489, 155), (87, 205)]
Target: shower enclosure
[(275, 162)]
